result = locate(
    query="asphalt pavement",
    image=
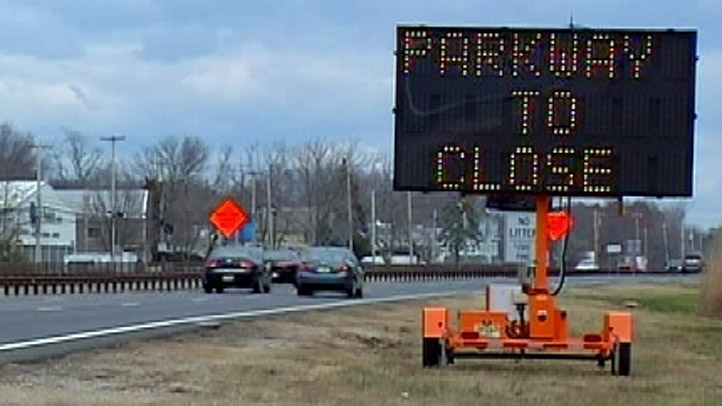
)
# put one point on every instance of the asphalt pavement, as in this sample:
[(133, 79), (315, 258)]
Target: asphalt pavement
[(27, 318)]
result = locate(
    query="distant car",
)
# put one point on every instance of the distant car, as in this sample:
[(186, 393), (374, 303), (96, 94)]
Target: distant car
[(674, 265), (371, 261), (330, 268), (283, 264), (586, 264), (692, 263), (627, 265), (236, 266)]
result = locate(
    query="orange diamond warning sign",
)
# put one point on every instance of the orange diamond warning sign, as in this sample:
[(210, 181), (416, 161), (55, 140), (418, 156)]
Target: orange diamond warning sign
[(228, 217)]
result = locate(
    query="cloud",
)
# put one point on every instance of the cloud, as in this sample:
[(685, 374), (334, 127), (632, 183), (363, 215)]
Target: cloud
[(112, 87)]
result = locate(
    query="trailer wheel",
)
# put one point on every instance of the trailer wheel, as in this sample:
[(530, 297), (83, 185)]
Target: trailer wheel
[(435, 353), (431, 352), (624, 359)]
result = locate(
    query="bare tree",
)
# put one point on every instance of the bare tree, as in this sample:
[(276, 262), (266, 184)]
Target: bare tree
[(279, 174), (76, 162), (174, 159), (129, 206), (11, 221), (224, 177), (179, 164), (17, 158), (314, 162), (17, 162)]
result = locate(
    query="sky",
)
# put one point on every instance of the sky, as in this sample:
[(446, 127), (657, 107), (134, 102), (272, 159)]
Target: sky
[(236, 72)]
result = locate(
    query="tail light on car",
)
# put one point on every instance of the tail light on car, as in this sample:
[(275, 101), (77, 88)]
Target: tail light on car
[(213, 263), (246, 264), (308, 266), (341, 268)]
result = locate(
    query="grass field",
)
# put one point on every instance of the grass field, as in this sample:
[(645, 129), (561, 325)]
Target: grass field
[(371, 356)]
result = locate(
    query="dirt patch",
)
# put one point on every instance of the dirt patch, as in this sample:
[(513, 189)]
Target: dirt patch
[(370, 355)]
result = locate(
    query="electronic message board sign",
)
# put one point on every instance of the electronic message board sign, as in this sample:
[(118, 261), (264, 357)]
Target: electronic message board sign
[(579, 112)]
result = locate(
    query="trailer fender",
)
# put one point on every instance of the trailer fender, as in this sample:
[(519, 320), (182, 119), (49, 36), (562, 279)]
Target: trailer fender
[(435, 322), (618, 325)]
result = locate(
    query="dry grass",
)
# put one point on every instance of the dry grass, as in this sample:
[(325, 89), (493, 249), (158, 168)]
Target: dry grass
[(371, 356), (711, 287)]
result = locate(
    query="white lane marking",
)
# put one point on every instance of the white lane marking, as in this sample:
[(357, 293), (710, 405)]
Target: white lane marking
[(130, 304), (199, 299), (50, 309), (19, 345)]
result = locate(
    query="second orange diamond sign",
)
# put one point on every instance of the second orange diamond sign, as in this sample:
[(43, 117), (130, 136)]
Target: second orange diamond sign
[(228, 217)]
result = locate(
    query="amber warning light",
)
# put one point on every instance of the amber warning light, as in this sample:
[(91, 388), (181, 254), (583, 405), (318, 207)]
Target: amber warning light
[(559, 224), (228, 217)]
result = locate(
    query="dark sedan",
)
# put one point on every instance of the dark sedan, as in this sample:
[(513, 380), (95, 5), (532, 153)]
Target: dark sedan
[(330, 268), (236, 266), (283, 263)]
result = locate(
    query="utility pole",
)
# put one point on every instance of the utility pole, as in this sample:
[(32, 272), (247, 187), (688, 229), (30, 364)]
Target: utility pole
[(638, 242), (39, 201), (269, 213), (646, 245), (373, 227), (411, 228), (682, 238), (666, 243), (595, 225), (162, 238), (434, 243), (252, 174), (637, 215), (349, 203), (113, 212)]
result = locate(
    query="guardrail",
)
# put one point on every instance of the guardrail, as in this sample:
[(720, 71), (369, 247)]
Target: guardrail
[(55, 278), (44, 279), (406, 273), (44, 284)]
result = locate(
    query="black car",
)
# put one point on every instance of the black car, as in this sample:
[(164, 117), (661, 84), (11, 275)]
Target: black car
[(236, 266), (330, 268), (283, 264)]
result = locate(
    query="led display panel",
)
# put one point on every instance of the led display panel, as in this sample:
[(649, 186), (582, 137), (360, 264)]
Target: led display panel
[(579, 112)]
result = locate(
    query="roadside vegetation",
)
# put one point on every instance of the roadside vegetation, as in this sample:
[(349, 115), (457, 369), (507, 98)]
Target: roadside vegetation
[(370, 355), (711, 287)]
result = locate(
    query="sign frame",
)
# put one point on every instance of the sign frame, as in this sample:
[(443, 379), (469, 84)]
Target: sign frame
[(436, 149)]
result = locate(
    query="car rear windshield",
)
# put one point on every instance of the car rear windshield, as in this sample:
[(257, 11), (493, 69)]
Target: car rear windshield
[(326, 255), (280, 255), (237, 253)]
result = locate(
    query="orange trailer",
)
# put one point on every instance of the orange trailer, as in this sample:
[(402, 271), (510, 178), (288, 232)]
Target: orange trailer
[(539, 330)]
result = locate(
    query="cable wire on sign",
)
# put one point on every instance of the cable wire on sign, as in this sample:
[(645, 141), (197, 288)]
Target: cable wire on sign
[(563, 265)]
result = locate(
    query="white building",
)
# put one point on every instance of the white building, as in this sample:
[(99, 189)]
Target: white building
[(57, 220)]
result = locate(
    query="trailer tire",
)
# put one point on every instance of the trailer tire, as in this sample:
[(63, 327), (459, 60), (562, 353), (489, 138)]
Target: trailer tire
[(431, 352), (624, 359)]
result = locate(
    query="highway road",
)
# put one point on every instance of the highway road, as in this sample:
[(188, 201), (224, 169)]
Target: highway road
[(27, 318)]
